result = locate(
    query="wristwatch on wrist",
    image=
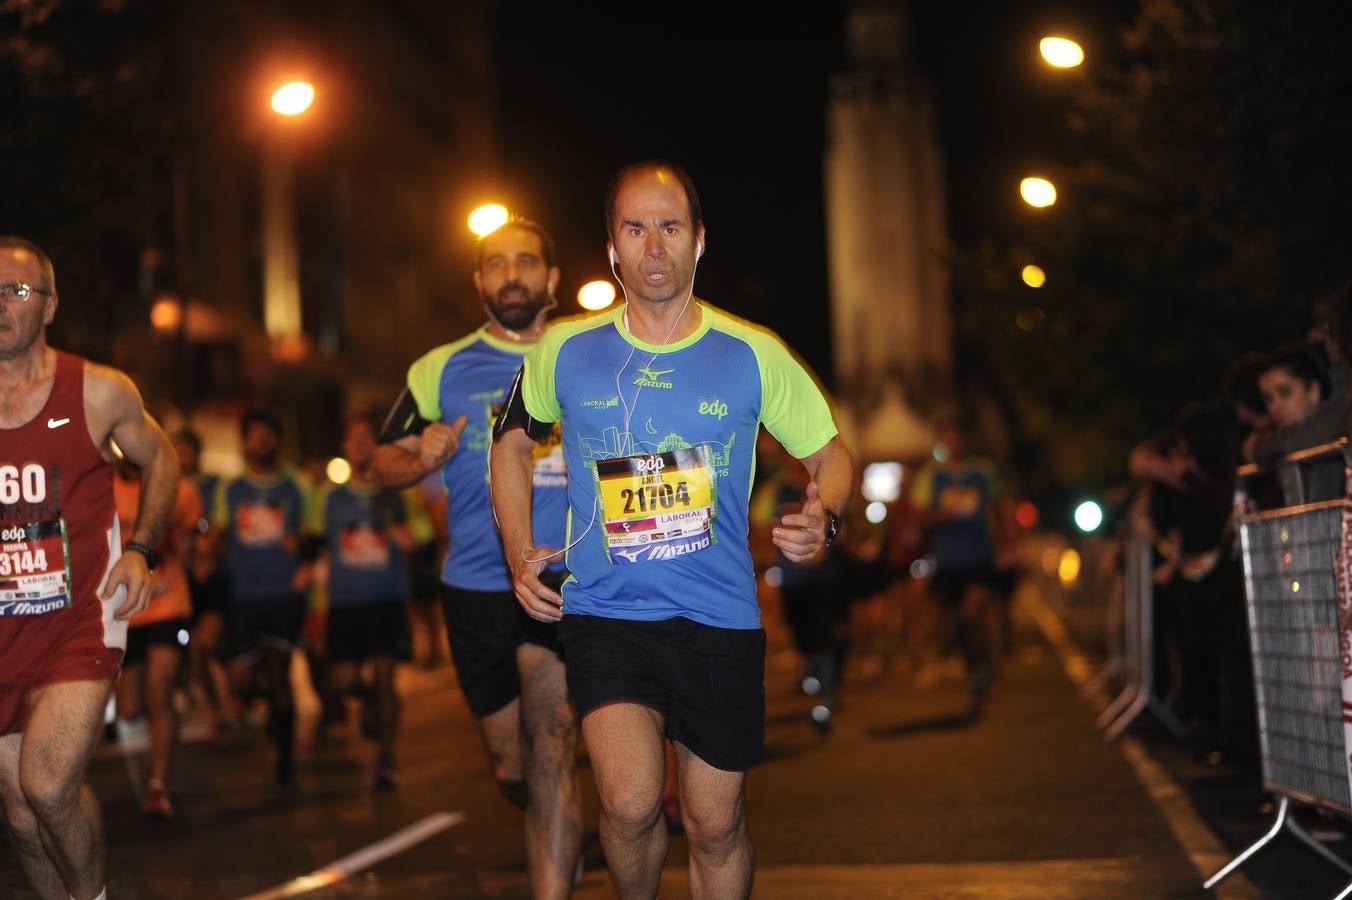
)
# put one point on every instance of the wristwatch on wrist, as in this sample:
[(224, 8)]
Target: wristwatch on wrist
[(832, 527), (152, 558)]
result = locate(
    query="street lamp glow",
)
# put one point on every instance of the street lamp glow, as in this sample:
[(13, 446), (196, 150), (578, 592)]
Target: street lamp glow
[(293, 98), (1033, 276), (487, 219), (1063, 53), (596, 295), (339, 470), (1088, 516), (1037, 192), (166, 314), (1068, 568)]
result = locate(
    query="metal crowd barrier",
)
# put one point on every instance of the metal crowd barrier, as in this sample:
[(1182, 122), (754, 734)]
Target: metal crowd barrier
[(1298, 590), (1131, 649)]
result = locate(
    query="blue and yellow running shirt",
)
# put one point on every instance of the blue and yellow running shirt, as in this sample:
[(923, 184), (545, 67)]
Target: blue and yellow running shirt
[(356, 521), (470, 377), (962, 493), (261, 519), (660, 446)]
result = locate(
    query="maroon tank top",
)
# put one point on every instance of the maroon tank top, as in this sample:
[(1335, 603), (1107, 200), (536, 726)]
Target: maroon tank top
[(58, 539)]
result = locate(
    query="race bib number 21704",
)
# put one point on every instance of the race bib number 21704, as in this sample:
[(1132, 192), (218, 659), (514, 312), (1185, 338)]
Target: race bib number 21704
[(657, 506)]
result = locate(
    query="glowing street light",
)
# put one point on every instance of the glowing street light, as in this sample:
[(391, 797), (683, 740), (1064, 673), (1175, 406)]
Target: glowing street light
[(1068, 568), (487, 219), (281, 257), (293, 98), (339, 470), (1033, 276), (166, 314), (1088, 516), (596, 295), (1037, 191), (1063, 53)]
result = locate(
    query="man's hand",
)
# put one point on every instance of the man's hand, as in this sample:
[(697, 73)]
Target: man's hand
[(130, 571), (802, 536), (539, 602), (439, 442)]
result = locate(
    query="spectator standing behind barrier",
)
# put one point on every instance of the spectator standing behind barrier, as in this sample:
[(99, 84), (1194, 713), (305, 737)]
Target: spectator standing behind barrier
[(1304, 411), (1202, 584)]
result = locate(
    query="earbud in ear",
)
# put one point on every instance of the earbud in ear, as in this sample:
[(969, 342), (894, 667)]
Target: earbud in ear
[(699, 249), (614, 258)]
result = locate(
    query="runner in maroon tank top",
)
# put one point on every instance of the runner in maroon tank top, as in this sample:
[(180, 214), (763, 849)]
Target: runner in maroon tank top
[(66, 587)]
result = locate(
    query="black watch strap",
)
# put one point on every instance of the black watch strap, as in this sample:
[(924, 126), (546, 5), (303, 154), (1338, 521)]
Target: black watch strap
[(152, 558), (832, 527)]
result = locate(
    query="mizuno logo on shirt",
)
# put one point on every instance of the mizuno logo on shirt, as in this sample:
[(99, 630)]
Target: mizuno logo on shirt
[(649, 377), (57, 423), (668, 551)]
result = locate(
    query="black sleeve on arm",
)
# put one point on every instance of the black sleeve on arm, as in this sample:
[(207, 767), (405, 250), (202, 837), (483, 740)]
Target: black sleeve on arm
[(403, 420), (514, 414)]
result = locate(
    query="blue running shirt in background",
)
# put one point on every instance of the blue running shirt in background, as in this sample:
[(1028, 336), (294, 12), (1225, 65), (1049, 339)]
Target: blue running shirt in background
[(711, 391), (365, 563), (470, 377), (261, 518), (963, 492)]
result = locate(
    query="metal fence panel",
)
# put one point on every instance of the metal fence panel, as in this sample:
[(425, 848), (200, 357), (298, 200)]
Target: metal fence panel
[(1291, 591)]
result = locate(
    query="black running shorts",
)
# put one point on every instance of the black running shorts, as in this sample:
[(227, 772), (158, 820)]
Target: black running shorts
[(484, 629), (158, 634), (708, 683), (367, 631)]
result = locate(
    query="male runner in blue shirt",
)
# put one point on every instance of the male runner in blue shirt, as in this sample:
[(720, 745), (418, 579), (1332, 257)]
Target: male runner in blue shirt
[(510, 667), (659, 403)]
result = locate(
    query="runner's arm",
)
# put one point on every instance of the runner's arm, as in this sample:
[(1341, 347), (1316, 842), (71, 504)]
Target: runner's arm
[(112, 401), (802, 536), (410, 446), (511, 464)]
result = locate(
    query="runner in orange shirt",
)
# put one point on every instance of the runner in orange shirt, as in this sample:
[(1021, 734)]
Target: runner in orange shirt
[(154, 651)]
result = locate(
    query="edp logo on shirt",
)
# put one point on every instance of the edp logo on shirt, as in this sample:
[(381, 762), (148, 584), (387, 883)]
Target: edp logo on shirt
[(713, 408)]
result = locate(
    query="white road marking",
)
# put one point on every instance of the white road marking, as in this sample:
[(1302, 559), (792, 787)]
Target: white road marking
[(363, 859), (1199, 842)]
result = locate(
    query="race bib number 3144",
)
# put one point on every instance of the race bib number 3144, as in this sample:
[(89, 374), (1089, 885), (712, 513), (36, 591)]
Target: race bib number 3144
[(34, 568)]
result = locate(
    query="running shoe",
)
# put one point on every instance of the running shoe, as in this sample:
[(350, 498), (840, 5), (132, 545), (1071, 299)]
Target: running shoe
[(155, 804)]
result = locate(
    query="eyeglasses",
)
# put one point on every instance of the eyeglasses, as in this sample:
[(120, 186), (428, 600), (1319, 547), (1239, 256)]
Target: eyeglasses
[(20, 291)]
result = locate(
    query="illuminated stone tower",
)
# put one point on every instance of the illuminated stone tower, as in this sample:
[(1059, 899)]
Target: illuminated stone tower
[(886, 231)]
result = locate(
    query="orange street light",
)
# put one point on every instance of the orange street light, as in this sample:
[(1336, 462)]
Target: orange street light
[(1060, 52), (293, 98), (487, 219), (1037, 192), (166, 314)]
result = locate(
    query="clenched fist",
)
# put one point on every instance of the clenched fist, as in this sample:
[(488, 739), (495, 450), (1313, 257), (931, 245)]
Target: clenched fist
[(439, 442)]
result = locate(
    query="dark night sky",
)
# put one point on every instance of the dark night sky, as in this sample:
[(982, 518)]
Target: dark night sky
[(742, 105)]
